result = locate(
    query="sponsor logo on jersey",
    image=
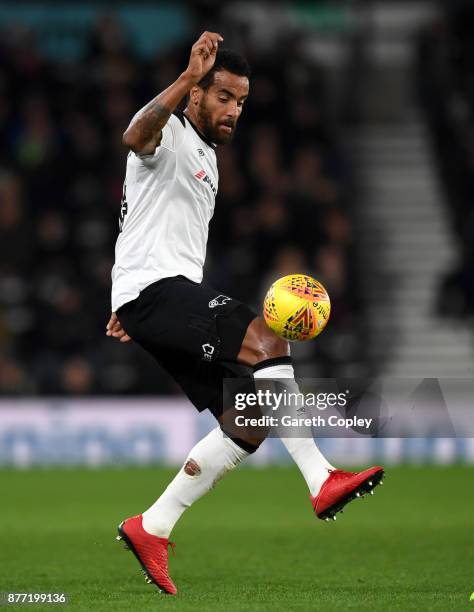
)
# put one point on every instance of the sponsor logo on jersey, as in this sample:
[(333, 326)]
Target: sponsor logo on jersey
[(220, 300), (202, 176), (208, 351), (201, 152)]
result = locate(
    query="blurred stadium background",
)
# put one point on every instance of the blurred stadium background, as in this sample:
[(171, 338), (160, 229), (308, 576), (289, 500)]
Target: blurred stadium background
[(353, 163)]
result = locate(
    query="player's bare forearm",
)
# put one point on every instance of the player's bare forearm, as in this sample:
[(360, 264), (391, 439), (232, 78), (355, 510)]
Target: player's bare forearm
[(144, 132)]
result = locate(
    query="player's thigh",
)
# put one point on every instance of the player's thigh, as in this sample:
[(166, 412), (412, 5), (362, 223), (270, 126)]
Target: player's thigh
[(215, 386), (204, 383), (189, 318)]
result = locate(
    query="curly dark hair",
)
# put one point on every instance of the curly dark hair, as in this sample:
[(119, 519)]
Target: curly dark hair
[(226, 59)]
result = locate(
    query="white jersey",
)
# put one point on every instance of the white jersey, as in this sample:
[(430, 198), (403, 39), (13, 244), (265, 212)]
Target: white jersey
[(167, 204)]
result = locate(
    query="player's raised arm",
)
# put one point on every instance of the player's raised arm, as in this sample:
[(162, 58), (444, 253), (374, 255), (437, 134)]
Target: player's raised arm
[(143, 134)]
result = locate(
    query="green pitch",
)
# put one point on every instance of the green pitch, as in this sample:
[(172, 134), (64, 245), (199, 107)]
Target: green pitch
[(251, 544)]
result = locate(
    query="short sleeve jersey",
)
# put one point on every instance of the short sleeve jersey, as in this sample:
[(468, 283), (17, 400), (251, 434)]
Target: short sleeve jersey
[(168, 201)]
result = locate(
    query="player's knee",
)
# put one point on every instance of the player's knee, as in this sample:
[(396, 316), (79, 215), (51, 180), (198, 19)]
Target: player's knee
[(249, 444), (272, 347), (261, 343), (191, 468)]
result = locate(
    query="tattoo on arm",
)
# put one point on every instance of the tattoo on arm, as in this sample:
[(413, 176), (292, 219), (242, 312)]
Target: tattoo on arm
[(144, 132), (151, 120)]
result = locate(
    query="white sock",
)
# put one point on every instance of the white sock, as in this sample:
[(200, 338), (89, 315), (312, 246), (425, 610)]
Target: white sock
[(214, 455), (307, 456)]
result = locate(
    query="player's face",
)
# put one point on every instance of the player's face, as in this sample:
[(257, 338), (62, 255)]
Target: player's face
[(221, 104)]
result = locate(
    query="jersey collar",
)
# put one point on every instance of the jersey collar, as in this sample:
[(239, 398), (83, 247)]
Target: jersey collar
[(180, 115)]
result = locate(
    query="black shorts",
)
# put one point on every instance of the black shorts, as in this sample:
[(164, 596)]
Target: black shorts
[(194, 332)]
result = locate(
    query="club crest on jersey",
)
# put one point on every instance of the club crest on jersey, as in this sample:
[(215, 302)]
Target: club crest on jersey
[(220, 300), (202, 176)]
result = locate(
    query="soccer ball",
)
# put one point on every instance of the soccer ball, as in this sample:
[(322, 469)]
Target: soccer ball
[(297, 307)]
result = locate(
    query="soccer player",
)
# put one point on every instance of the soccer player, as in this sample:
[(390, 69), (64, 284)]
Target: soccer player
[(197, 334)]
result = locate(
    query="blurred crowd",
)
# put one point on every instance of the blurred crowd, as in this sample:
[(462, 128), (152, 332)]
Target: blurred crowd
[(446, 81), (282, 207)]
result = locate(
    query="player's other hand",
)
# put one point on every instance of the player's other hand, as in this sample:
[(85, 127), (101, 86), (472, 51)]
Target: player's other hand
[(115, 329), (203, 55)]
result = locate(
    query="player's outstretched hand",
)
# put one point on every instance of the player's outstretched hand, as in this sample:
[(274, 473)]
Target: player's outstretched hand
[(115, 329), (203, 55)]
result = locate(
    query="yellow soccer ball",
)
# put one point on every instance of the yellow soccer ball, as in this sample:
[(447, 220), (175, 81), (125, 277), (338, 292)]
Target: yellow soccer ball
[(297, 307)]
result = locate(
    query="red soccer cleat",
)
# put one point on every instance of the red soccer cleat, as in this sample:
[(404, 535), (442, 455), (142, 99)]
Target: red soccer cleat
[(342, 487), (151, 552)]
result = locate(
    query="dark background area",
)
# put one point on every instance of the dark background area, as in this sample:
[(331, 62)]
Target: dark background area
[(446, 84)]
